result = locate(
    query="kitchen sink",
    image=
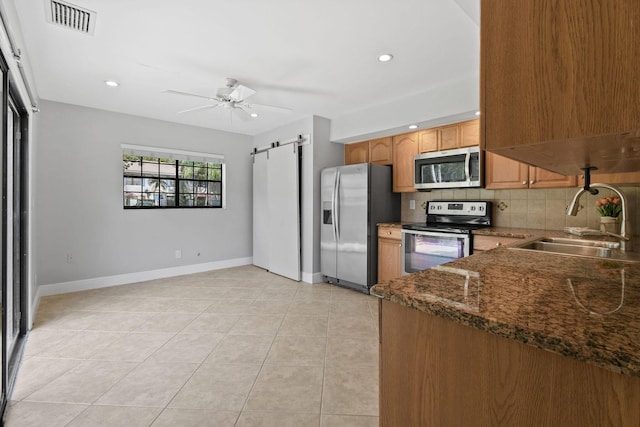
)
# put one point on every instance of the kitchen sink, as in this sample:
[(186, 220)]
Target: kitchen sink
[(578, 247)]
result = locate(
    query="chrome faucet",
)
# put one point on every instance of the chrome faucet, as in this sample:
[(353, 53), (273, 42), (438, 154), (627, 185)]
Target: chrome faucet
[(625, 232)]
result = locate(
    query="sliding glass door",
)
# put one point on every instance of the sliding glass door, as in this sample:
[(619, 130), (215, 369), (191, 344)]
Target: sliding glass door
[(13, 250)]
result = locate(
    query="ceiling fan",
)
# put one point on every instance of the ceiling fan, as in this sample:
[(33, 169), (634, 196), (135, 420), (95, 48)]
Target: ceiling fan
[(232, 97)]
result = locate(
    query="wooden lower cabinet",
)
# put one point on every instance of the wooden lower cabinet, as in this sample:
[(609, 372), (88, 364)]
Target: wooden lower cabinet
[(484, 243), (436, 372), (389, 253)]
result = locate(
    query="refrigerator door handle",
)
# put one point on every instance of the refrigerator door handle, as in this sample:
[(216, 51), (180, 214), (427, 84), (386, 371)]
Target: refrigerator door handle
[(336, 204), (333, 207)]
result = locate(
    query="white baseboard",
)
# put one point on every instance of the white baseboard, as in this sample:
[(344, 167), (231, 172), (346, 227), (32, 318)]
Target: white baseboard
[(35, 303), (123, 279), (312, 277)]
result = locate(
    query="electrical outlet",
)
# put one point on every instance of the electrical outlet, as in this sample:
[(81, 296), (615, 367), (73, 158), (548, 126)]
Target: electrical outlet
[(178, 254), (69, 258), (412, 204)]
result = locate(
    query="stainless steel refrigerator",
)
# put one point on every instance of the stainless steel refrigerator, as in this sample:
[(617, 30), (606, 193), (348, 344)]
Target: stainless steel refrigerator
[(355, 199)]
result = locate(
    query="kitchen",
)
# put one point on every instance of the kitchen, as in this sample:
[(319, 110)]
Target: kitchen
[(513, 208), (491, 314)]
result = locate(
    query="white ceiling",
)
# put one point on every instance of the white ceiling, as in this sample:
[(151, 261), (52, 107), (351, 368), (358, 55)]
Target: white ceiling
[(315, 57)]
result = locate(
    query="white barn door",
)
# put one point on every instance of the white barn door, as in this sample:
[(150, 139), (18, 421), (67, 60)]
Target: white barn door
[(280, 204)]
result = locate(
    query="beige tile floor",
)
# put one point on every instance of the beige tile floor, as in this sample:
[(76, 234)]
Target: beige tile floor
[(232, 347)]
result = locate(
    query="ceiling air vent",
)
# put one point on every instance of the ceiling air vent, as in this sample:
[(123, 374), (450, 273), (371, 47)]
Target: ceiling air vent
[(70, 16)]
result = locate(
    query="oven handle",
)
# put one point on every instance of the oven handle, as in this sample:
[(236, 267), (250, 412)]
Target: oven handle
[(434, 233), (467, 166), (466, 237)]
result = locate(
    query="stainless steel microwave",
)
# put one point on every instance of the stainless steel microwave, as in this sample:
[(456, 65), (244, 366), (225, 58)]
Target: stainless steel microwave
[(459, 168)]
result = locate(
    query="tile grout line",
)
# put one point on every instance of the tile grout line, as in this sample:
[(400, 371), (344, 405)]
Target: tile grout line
[(246, 400), (282, 309)]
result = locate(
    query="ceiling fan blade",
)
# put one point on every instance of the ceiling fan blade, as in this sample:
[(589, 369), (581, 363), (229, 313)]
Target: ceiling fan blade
[(176, 92), (205, 107), (241, 92), (242, 114), (271, 106)]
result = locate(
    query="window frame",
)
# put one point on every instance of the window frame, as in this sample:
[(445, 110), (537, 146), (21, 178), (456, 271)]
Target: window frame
[(213, 183)]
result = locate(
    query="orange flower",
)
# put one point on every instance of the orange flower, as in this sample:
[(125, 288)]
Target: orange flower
[(609, 206)]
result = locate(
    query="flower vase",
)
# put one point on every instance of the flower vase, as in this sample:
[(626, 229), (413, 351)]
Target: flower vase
[(609, 224)]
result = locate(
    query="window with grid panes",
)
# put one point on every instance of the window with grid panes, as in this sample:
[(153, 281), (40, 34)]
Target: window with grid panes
[(157, 182)]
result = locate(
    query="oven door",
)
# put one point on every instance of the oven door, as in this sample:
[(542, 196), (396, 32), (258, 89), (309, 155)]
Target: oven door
[(426, 249)]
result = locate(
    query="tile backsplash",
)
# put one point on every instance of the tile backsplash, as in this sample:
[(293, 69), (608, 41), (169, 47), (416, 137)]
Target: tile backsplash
[(535, 208)]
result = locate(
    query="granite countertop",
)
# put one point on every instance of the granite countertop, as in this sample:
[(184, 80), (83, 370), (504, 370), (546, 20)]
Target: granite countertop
[(583, 308), (391, 224)]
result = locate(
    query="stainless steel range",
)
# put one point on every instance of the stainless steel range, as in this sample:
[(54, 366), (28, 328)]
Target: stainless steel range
[(446, 235)]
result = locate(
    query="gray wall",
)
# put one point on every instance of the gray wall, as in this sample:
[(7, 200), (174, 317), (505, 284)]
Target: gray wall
[(325, 154), (78, 205)]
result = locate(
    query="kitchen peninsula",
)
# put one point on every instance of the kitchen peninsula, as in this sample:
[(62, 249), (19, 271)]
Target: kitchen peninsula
[(510, 337)]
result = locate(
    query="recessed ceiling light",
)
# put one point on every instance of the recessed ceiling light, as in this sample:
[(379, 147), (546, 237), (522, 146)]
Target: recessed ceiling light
[(111, 83), (413, 126), (477, 113), (385, 57), (254, 115)]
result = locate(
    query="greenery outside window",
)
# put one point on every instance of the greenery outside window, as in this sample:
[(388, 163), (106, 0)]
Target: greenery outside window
[(155, 181)]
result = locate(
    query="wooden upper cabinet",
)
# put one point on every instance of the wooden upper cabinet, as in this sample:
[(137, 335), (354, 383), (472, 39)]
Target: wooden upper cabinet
[(542, 178), (449, 137), (613, 178), (356, 153), (428, 140), (503, 173), (470, 133), (558, 69), (405, 148), (458, 135), (378, 151), (381, 151)]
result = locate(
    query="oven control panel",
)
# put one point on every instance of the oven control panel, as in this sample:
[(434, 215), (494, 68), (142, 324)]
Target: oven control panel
[(459, 207)]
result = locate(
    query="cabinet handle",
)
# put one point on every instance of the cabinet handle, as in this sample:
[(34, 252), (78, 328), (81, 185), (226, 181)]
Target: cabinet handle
[(498, 244), (524, 182), (531, 182)]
